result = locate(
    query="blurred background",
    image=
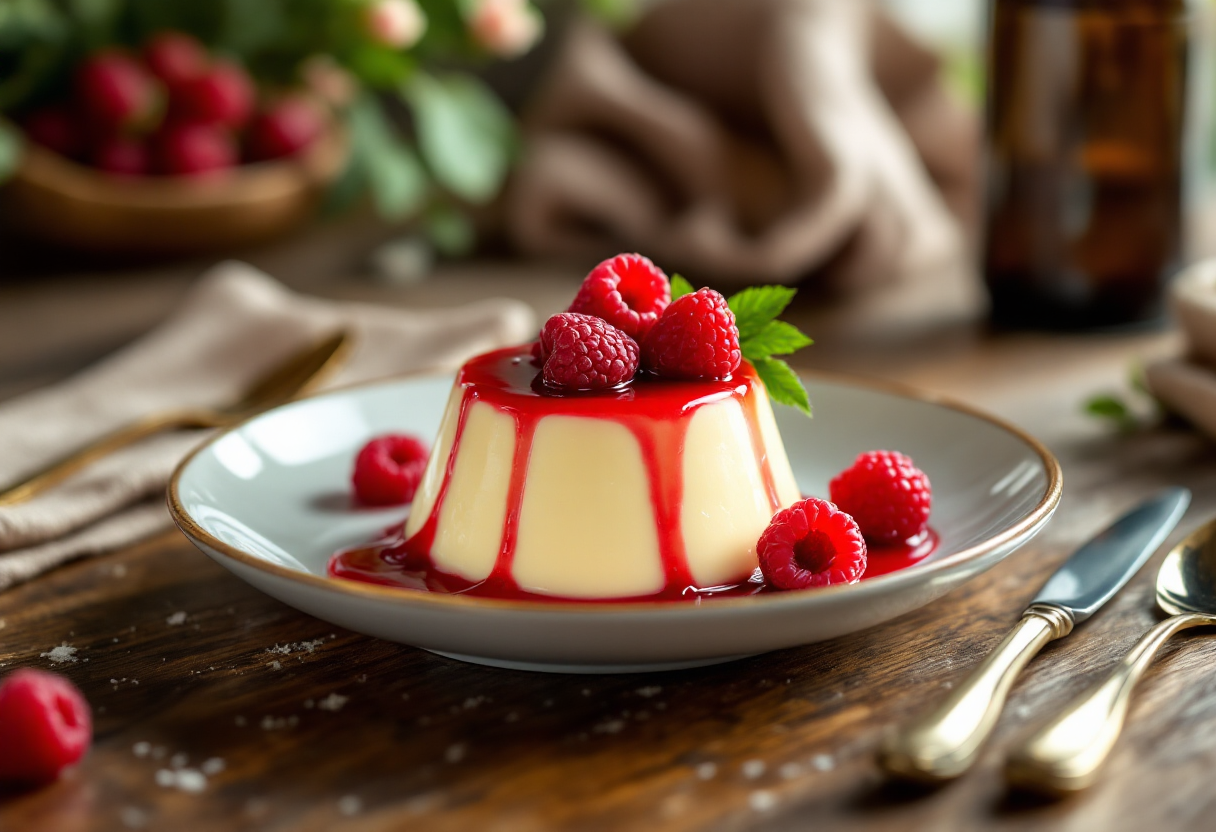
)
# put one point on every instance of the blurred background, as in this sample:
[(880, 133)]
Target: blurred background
[(429, 152)]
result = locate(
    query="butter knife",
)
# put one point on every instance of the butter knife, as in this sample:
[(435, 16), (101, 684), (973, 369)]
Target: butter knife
[(946, 741)]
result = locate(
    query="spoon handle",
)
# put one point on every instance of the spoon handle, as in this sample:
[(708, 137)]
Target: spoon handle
[(66, 466), (945, 742), (1065, 755)]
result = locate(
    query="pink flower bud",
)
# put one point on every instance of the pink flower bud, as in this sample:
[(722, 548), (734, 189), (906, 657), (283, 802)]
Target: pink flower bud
[(395, 23), (507, 28)]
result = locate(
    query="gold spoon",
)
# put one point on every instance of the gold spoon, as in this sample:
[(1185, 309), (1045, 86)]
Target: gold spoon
[(296, 376), (1066, 754)]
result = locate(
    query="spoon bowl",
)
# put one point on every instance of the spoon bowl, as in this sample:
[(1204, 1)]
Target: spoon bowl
[(1186, 582)]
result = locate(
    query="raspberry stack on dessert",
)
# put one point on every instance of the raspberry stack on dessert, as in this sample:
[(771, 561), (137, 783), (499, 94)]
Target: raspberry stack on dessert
[(630, 453)]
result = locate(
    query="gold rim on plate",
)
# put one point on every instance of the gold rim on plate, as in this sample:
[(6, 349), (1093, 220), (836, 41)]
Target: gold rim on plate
[(1037, 516)]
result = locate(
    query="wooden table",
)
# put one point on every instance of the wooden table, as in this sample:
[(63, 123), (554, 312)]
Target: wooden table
[(304, 726)]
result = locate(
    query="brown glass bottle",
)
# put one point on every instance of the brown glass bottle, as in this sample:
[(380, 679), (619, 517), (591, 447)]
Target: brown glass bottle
[(1086, 158)]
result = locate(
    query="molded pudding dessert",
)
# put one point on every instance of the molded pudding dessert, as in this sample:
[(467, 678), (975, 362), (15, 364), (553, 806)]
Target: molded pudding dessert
[(630, 453), (637, 492)]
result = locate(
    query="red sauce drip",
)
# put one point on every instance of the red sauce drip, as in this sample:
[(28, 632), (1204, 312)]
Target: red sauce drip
[(656, 412)]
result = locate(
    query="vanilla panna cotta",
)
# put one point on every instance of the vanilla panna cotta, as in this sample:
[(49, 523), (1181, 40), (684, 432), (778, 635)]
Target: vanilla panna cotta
[(647, 490)]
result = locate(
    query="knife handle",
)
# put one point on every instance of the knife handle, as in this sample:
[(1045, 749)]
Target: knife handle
[(945, 742), (1065, 755)]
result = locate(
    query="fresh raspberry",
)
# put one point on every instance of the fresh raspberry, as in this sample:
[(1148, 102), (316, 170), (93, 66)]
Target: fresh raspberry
[(627, 291), (695, 338), (389, 469), (56, 128), (584, 352), (286, 127), (117, 92), (888, 496), (45, 726), (194, 149), (223, 95), (122, 156), (811, 543), (175, 58)]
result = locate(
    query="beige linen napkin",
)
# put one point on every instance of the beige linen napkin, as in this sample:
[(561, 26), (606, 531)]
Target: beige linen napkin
[(747, 140), (1187, 385), (235, 325)]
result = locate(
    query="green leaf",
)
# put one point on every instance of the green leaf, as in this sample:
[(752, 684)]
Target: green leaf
[(397, 179), (775, 338), (1112, 409), (380, 67), (465, 134), (756, 306), (10, 150), (784, 386), (680, 287)]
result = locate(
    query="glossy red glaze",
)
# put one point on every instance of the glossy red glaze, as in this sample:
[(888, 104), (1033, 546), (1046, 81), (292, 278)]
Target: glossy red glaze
[(656, 412)]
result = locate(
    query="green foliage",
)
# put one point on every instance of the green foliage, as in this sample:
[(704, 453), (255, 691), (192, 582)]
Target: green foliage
[(382, 161), (10, 150), (1113, 409), (680, 287), (1129, 410), (465, 134)]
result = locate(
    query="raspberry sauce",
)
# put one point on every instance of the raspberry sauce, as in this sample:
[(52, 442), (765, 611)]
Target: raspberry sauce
[(656, 412)]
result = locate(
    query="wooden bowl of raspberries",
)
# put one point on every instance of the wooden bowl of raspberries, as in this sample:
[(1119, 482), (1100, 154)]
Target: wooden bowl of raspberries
[(171, 151)]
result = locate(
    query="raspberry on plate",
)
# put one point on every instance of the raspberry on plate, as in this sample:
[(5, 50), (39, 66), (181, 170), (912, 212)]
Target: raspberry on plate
[(694, 338), (811, 543), (45, 726), (389, 469), (628, 291), (888, 496), (583, 352)]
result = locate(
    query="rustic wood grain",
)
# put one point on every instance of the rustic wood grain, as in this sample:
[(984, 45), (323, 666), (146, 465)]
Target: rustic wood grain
[(775, 742)]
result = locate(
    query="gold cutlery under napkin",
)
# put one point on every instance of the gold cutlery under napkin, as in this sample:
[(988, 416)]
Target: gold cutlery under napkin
[(945, 742), (294, 377)]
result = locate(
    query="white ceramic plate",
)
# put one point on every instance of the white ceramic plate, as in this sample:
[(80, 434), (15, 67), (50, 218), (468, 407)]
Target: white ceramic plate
[(269, 501)]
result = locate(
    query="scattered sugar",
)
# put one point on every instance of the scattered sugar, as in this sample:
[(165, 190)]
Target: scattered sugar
[(166, 778), (789, 771), (212, 766), (141, 749), (753, 769), (179, 760), (454, 753), (61, 654), (761, 800), (177, 618), (706, 771), (649, 691), (333, 702), (349, 805), (823, 762), (133, 818), (296, 647), (361, 678), (275, 723), (187, 780), (611, 726), (275, 665)]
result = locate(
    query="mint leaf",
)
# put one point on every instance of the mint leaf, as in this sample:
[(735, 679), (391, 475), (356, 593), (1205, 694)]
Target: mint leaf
[(756, 306), (680, 287), (784, 386), (775, 338)]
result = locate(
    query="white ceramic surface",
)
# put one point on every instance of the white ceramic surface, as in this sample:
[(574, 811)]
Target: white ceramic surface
[(269, 501)]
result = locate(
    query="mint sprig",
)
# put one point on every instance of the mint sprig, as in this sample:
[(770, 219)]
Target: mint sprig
[(762, 336)]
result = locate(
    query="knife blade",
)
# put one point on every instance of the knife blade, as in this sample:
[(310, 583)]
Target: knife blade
[(945, 742)]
